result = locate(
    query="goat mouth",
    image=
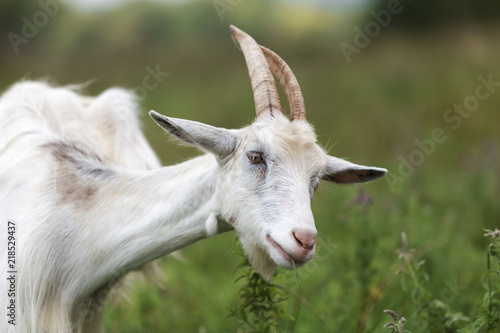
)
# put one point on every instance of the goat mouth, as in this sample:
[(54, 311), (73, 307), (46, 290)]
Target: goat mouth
[(284, 254)]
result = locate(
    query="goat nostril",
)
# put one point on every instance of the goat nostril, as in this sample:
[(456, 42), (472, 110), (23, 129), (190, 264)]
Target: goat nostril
[(305, 238)]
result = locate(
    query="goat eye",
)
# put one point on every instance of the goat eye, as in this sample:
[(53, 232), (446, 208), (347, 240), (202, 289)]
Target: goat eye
[(255, 157)]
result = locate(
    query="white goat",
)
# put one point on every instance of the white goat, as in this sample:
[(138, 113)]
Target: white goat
[(90, 202)]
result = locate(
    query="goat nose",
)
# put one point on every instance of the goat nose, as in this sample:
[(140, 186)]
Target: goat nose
[(305, 237)]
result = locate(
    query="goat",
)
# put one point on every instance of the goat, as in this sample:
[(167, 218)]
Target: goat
[(91, 203)]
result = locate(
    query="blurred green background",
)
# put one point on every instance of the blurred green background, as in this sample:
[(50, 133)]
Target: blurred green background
[(379, 79)]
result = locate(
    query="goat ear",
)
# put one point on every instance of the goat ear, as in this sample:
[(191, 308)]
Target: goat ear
[(218, 141), (343, 172)]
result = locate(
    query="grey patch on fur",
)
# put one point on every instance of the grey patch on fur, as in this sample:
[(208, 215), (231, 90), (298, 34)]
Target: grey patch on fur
[(79, 173)]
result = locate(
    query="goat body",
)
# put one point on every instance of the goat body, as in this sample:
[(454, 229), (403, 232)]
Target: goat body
[(90, 202), (73, 179)]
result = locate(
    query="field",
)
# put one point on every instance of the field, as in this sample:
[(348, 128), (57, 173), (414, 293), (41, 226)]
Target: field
[(424, 105)]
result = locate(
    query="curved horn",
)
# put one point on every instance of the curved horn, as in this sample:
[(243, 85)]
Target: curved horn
[(265, 93), (288, 82)]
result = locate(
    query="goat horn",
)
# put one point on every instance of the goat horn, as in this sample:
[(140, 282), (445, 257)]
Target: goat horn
[(265, 93), (288, 82)]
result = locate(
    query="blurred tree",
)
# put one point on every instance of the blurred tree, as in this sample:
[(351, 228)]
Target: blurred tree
[(422, 14)]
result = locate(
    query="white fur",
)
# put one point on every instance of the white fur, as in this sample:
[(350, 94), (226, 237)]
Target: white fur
[(91, 203)]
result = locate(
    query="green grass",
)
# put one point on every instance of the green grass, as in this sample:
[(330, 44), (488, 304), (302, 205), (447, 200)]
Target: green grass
[(394, 92)]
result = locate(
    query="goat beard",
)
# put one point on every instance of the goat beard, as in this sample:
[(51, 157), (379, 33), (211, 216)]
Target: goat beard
[(261, 262)]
